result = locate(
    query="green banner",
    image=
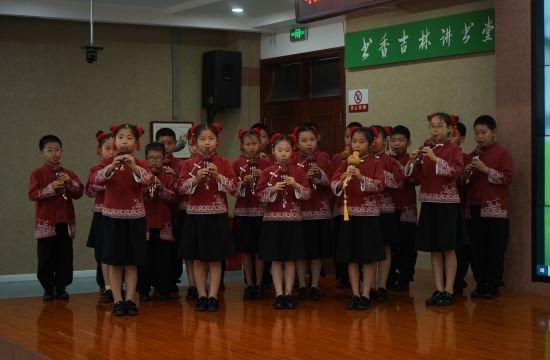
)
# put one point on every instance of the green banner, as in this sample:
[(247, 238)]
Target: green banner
[(466, 33)]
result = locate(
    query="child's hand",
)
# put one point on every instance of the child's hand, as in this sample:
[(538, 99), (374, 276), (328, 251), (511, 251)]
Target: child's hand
[(168, 170), (280, 185), (64, 177), (289, 180), (131, 161), (57, 184), (427, 151), (480, 165), (249, 178), (353, 171), (213, 169), (256, 172), (312, 172), (201, 173), (415, 154)]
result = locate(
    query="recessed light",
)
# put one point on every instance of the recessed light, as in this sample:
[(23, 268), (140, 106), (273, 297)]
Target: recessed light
[(237, 10)]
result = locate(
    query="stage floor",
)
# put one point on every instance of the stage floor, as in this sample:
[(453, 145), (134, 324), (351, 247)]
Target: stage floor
[(512, 327)]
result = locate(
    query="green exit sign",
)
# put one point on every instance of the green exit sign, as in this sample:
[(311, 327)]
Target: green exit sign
[(298, 34)]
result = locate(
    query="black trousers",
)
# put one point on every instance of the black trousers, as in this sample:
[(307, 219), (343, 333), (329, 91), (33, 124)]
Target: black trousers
[(462, 265), (489, 240), (404, 252), (99, 277), (159, 269), (55, 259)]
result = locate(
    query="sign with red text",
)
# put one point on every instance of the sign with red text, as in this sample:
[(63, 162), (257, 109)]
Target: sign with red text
[(358, 100)]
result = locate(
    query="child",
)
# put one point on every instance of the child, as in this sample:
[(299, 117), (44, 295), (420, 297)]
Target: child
[(106, 149), (360, 241), (490, 171), (316, 211), (265, 151), (393, 180), (462, 253), (404, 252), (206, 178), (167, 137), (281, 188), (53, 188), (124, 223), (441, 227), (159, 200), (341, 269), (247, 223)]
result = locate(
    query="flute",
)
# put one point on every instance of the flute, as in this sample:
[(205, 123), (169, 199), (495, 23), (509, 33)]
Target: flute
[(468, 173), (152, 189), (123, 150), (409, 168), (58, 172), (252, 167), (353, 161), (206, 160)]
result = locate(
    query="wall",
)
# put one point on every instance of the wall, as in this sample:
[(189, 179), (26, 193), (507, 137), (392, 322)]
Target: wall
[(406, 93), (47, 87), (321, 35)]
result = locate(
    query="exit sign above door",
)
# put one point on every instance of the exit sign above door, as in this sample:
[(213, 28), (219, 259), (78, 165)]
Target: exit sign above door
[(298, 34)]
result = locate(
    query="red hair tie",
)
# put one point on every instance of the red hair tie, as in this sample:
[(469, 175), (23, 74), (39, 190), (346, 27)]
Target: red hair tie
[(353, 130), (388, 130), (374, 132), (191, 133), (453, 119), (257, 131), (114, 129), (430, 117), (216, 128), (100, 135), (275, 137), (293, 139), (139, 131), (295, 132), (241, 134)]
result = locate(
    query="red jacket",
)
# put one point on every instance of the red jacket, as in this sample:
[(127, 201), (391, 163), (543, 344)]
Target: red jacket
[(337, 160), (124, 190), (405, 197), (490, 191), (247, 203), (51, 207), (173, 162), (438, 179), (319, 205), (363, 193), (159, 201), (97, 192), (393, 180), (200, 199), (283, 205)]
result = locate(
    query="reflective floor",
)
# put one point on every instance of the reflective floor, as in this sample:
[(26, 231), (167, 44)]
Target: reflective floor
[(512, 327)]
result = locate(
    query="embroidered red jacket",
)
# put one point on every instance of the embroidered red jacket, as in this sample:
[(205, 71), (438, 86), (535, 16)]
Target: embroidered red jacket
[(159, 201), (247, 203), (202, 200), (124, 190), (173, 162), (393, 179), (51, 207), (363, 193), (283, 205), (405, 197), (337, 160), (97, 192), (438, 179), (490, 191), (319, 205)]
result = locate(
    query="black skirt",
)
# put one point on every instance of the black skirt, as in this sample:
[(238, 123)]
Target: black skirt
[(441, 227), (94, 237), (124, 241), (282, 241), (360, 240), (206, 238), (389, 228), (318, 238), (247, 231)]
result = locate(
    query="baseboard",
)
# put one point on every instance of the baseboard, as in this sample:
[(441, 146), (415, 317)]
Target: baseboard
[(32, 277)]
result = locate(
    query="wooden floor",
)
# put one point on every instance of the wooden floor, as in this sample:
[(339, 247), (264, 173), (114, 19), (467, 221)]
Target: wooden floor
[(511, 327)]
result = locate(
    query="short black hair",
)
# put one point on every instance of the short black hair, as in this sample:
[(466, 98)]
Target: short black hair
[(155, 146), (260, 126), (461, 128), (165, 132), (402, 130), (46, 139), (353, 124), (486, 120)]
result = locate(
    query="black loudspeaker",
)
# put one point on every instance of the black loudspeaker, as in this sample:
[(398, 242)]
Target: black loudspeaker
[(221, 79)]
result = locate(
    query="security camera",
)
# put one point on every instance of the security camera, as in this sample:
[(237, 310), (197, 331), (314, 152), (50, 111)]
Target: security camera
[(91, 52)]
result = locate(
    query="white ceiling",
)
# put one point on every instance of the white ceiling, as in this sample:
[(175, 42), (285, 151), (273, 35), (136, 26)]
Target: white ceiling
[(258, 15)]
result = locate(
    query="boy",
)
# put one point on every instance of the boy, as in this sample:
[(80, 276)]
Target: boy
[(487, 207), (159, 200), (404, 253), (53, 188)]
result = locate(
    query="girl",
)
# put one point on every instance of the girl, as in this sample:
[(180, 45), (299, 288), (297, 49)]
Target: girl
[(316, 211), (265, 151), (247, 224), (124, 225), (360, 239), (106, 149), (281, 187), (206, 178), (393, 180), (440, 225), (339, 157)]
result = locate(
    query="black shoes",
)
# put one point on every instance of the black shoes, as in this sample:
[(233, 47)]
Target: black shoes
[(382, 294), (212, 304), (432, 300), (119, 309), (192, 293), (492, 292), (302, 293), (353, 303), (440, 298), (486, 291), (280, 302), (61, 294), (48, 295), (107, 296), (249, 292), (202, 304), (314, 293), (359, 303), (290, 304), (131, 308), (480, 291), (259, 292)]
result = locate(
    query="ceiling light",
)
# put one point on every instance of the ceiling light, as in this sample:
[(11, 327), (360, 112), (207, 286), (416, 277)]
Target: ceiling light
[(237, 10)]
